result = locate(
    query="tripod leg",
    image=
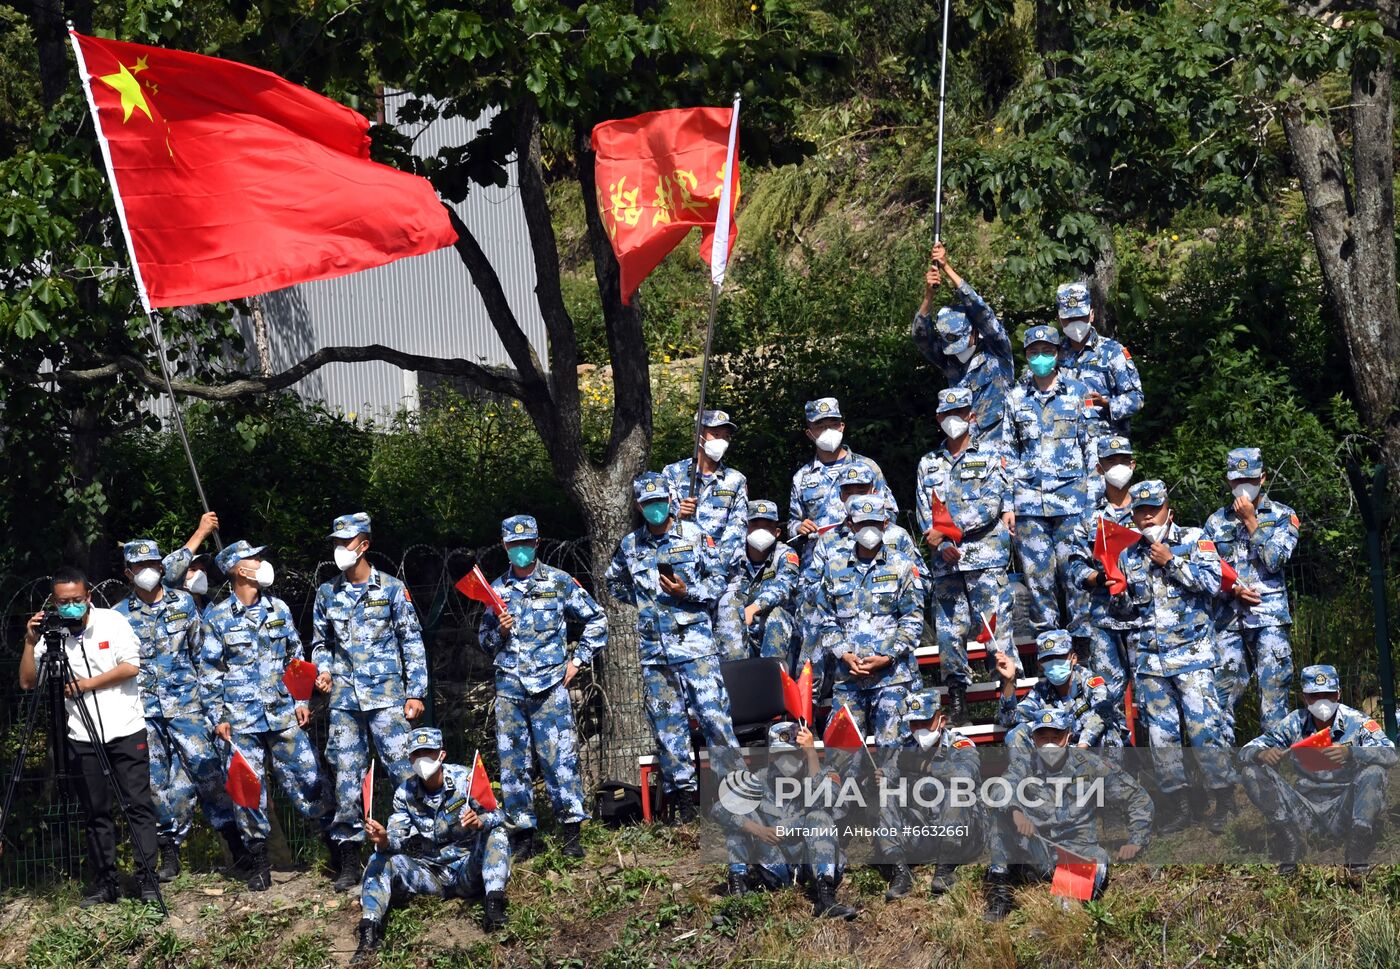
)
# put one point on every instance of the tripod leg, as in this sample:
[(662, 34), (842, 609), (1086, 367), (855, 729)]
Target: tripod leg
[(31, 723)]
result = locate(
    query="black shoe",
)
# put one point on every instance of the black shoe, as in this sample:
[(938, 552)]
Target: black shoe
[(169, 861), (999, 899), (351, 868), (825, 905), (1286, 842), (1360, 843), (957, 704), (259, 867), (103, 893), (901, 882), (945, 876), (738, 884), (571, 846), (371, 938), (522, 844), (1174, 815), (683, 807), (1221, 810), (239, 869), (150, 894), (493, 912)]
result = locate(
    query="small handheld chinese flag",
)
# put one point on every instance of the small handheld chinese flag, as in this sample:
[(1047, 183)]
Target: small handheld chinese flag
[(300, 679), (243, 785), (481, 785), (473, 585), (1308, 751), (1074, 876), (1228, 577), (658, 176), (1110, 541), (797, 694), (988, 630), (842, 733), (943, 519), (367, 791)]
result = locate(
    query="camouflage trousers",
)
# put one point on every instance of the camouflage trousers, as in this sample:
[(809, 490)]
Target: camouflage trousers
[(185, 767), (539, 729), (776, 866), (1269, 655), (1112, 652), (959, 603), (876, 710), (1165, 703), (1045, 545), (772, 633), (393, 878), (1009, 847), (675, 692), (347, 750), (298, 774), (1333, 813)]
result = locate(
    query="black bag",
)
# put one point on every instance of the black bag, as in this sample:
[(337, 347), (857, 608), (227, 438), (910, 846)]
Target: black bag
[(619, 804)]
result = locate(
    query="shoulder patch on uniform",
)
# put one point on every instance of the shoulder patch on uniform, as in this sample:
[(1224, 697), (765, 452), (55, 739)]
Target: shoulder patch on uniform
[(962, 742), (1096, 681), (1293, 520), (1206, 545), (709, 541), (576, 581), (1372, 726), (792, 558), (1126, 354), (406, 596)]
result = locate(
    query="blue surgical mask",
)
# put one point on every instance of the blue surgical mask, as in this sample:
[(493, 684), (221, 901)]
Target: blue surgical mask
[(1042, 364), (521, 555), (72, 610), (1056, 672), (656, 512)]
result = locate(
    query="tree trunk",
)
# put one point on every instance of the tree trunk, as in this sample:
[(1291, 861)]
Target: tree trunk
[(1053, 35)]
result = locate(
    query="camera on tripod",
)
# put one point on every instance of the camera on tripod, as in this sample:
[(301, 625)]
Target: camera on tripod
[(53, 627)]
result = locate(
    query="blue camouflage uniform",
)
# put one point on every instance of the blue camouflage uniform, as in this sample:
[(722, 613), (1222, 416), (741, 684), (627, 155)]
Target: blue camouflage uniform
[(972, 591), (816, 487), (988, 373), (680, 661), (1103, 365), (724, 495), (1176, 655), (534, 716), (1093, 721), (1254, 638), (430, 852), (368, 639), (1342, 802), (1050, 454), (870, 608), (245, 654), (1062, 817), (184, 764), (771, 583), (1112, 648)]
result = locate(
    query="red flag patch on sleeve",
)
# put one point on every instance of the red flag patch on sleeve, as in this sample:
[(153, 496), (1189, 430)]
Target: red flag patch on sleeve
[(1096, 681), (104, 645), (792, 558), (1126, 354), (1205, 545), (962, 742), (1371, 725), (1294, 520)]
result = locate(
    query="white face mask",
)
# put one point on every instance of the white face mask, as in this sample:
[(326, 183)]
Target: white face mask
[(1052, 755), (788, 766), (345, 558), (761, 539), (1155, 533), (870, 537), (1323, 710), (265, 575), (1119, 475), (829, 440), (427, 765), (965, 355), (927, 738), (197, 582), (714, 448), (1076, 330), (147, 579), (1245, 490), (953, 427)]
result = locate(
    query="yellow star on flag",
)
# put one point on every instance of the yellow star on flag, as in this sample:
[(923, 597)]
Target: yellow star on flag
[(125, 84)]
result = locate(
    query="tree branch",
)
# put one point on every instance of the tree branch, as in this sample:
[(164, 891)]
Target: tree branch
[(495, 380)]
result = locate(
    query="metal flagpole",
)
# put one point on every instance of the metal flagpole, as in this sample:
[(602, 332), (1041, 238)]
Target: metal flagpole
[(719, 262), (938, 171), (152, 324)]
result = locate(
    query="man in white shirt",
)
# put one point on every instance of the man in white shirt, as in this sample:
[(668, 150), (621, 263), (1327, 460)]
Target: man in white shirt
[(105, 657)]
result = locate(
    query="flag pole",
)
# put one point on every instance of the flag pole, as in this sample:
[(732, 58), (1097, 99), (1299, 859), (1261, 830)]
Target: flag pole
[(719, 262), (152, 325), (938, 169)]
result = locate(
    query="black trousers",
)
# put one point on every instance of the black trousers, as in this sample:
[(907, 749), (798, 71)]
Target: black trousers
[(131, 767)]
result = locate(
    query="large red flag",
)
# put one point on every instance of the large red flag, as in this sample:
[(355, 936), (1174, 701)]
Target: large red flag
[(230, 181), (473, 585), (481, 785), (243, 785), (658, 176), (1110, 541)]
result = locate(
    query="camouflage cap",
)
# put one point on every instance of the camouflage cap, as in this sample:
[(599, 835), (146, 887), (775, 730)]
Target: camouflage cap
[(1151, 493), (716, 418), (1072, 301), (856, 473), (954, 398), (1111, 445), (865, 508), (520, 528), (1054, 718), (954, 329), (348, 526), (1052, 643), (1244, 462), (823, 408), (650, 486), (921, 705), (235, 553), (762, 511), (425, 738), (1321, 679), (782, 736), (141, 550), (1040, 333)]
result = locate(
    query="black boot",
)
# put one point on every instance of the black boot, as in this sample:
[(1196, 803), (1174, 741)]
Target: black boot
[(999, 899), (1360, 842), (104, 892), (259, 867), (352, 866), (1286, 841), (522, 844), (371, 938), (957, 704), (825, 905), (738, 884), (683, 807), (239, 870), (1221, 810), (945, 876), (1174, 815), (571, 846), (493, 912), (169, 860), (332, 856), (901, 882)]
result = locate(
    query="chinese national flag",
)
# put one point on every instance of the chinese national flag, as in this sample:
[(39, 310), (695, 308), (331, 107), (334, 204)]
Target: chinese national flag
[(473, 585), (367, 791), (1307, 751), (232, 182), (1074, 876), (943, 519), (842, 733), (797, 694), (243, 785), (658, 176), (988, 630), (481, 785), (1228, 577), (1110, 541), (300, 679)]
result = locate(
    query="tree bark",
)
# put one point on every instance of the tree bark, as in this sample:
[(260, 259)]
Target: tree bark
[(1053, 35)]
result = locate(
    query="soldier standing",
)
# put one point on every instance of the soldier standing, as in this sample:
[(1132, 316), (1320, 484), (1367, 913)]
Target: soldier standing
[(723, 492), (1098, 362), (756, 612)]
